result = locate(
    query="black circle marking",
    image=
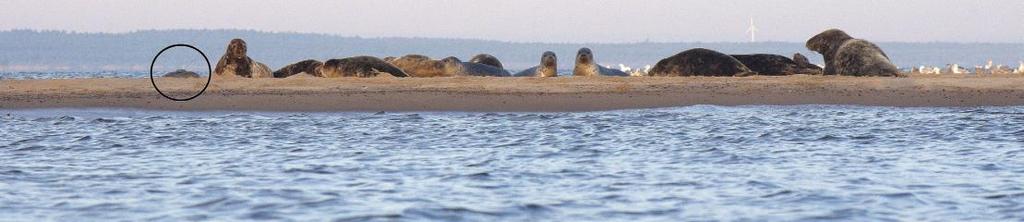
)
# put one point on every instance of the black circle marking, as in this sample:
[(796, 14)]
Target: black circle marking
[(208, 68)]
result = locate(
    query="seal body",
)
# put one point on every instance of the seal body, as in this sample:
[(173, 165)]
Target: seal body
[(359, 66), (455, 67), (487, 59), (420, 66), (181, 73), (235, 62), (309, 66), (845, 55), (586, 66), (700, 62), (776, 65), (805, 66), (548, 67)]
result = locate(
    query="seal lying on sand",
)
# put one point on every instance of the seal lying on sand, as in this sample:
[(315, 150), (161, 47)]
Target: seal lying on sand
[(419, 66), (309, 66), (181, 73), (700, 62), (455, 67), (548, 67), (359, 66), (586, 66), (486, 59), (775, 65), (845, 55), (235, 62)]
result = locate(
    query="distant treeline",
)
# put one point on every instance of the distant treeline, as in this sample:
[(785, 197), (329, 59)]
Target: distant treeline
[(105, 51)]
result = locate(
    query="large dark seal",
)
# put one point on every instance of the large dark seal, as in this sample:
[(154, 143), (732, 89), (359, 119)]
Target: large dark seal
[(236, 62), (548, 67), (181, 73), (775, 65), (359, 66), (804, 66), (420, 66), (455, 67), (586, 66), (700, 62), (309, 66), (845, 55), (487, 59)]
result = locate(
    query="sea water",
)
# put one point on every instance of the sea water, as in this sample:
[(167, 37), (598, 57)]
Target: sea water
[(673, 164)]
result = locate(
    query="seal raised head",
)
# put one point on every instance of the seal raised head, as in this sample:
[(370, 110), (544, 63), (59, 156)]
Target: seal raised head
[(359, 66), (309, 66), (700, 62), (548, 67), (236, 62), (486, 59), (774, 65), (419, 66), (586, 66), (455, 67), (845, 55)]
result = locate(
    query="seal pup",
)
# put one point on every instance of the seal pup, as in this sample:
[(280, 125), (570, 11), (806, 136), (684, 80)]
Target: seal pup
[(548, 67), (455, 67), (309, 66), (804, 65), (359, 66), (700, 62), (181, 73), (419, 66), (235, 62), (486, 59), (773, 65), (586, 66), (845, 55)]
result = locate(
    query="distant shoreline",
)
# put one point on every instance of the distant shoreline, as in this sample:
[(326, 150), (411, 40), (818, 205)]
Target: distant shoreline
[(308, 94)]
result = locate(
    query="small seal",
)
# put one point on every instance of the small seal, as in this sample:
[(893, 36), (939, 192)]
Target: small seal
[(774, 65), (845, 55), (455, 67), (804, 66), (586, 66), (181, 73), (486, 59), (419, 66), (548, 67), (309, 66), (236, 62), (700, 62), (359, 66)]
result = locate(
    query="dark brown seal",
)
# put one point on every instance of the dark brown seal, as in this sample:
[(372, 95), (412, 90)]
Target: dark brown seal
[(845, 55), (419, 66), (455, 67), (181, 73), (236, 62), (586, 66), (774, 65), (487, 59), (700, 62), (548, 67), (359, 66), (309, 66)]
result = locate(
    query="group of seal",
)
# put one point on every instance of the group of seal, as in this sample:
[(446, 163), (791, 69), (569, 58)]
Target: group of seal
[(844, 55)]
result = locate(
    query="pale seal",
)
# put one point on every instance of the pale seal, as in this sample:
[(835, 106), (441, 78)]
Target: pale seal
[(420, 66), (548, 67), (236, 62), (586, 66)]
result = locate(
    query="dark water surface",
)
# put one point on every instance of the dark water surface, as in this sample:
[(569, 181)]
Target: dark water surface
[(688, 163)]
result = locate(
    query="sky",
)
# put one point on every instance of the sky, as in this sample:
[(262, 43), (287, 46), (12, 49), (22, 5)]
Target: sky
[(553, 21)]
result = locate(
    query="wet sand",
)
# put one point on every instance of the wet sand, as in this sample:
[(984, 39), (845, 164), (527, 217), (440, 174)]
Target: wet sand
[(513, 94)]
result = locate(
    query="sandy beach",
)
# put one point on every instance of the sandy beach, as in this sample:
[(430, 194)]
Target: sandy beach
[(513, 94)]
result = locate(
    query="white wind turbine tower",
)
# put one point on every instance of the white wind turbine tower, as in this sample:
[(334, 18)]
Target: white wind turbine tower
[(752, 30)]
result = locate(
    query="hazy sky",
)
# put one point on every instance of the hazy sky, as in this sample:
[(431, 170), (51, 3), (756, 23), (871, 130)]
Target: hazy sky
[(543, 20)]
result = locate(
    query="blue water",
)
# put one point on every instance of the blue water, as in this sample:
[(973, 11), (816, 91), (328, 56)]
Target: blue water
[(775, 163)]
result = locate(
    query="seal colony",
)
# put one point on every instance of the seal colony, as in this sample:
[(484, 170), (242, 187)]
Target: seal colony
[(843, 55)]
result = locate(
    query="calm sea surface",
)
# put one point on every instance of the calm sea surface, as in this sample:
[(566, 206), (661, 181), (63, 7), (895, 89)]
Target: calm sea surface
[(787, 163)]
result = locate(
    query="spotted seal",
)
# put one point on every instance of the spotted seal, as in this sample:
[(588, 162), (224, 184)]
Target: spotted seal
[(586, 66), (359, 66), (548, 67), (700, 62), (309, 66), (455, 67), (845, 55), (236, 62), (486, 59)]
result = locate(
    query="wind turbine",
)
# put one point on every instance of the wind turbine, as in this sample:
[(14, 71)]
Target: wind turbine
[(752, 30)]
